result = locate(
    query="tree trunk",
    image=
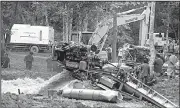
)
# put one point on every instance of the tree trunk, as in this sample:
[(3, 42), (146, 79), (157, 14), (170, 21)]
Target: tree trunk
[(65, 23), (13, 22), (70, 23), (97, 20), (167, 33), (46, 17), (151, 31), (179, 24), (167, 30), (86, 22), (79, 22), (64, 29), (114, 37), (176, 37), (81, 26), (15, 13)]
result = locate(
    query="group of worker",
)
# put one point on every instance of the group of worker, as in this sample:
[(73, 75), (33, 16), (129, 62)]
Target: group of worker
[(5, 60), (171, 61), (28, 60), (148, 78)]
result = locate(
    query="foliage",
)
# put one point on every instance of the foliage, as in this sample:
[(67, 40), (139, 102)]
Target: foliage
[(86, 15), (165, 10)]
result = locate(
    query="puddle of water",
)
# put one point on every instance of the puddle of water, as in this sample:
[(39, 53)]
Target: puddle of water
[(26, 85)]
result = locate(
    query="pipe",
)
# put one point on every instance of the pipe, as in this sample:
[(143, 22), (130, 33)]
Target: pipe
[(87, 94)]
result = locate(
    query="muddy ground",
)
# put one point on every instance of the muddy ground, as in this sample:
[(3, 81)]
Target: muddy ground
[(169, 89)]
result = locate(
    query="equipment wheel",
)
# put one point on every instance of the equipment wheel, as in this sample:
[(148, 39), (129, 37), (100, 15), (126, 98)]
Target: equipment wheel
[(34, 49)]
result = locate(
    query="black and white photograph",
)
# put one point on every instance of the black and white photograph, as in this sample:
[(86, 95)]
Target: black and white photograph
[(90, 54)]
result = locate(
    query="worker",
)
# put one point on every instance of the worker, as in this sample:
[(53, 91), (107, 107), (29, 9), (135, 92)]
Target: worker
[(177, 67), (176, 49), (120, 55), (165, 50), (109, 50), (145, 71), (2, 55), (5, 61), (161, 57), (171, 47), (28, 59), (158, 63), (171, 66)]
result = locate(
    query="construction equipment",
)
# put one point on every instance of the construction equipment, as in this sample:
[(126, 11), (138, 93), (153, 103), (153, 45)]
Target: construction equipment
[(100, 35), (136, 54), (130, 86), (84, 64), (159, 41), (81, 37), (136, 88)]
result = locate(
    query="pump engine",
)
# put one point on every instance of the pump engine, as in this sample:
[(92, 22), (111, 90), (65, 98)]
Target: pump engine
[(77, 58)]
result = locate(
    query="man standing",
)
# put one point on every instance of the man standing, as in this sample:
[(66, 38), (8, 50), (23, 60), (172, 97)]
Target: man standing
[(28, 60), (165, 50), (171, 47), (145, 72), (109, 50), (5, 61), (171, 66), (158, 63), (120, 55), (176, 48), (2, 55)]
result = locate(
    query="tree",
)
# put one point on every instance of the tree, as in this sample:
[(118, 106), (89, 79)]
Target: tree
[(167, 18), (151, 31), (82, 15)]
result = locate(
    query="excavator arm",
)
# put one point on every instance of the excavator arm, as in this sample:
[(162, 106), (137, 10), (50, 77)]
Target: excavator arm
[(99, 36)]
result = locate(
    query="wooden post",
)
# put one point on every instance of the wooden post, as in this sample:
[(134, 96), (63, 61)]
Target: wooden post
[(114, 37), (151, 40)]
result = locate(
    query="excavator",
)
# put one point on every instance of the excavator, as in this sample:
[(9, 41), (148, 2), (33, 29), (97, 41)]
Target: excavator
[(100, 35), (84, 64)]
